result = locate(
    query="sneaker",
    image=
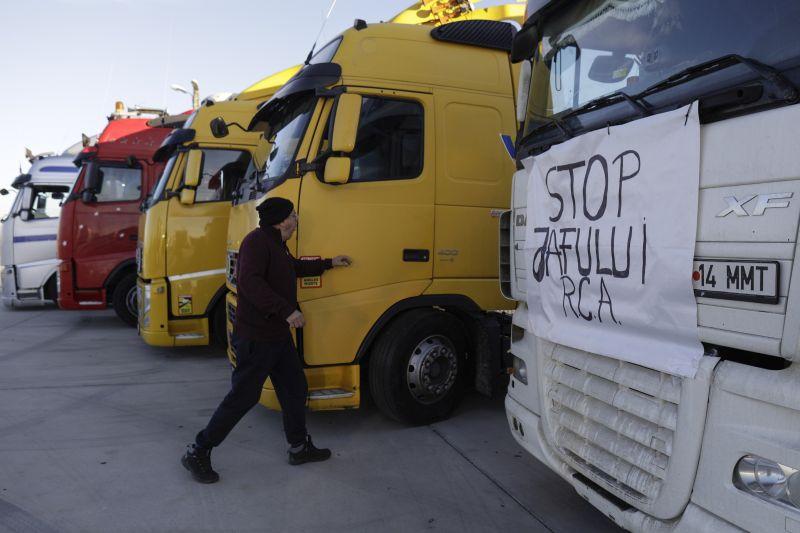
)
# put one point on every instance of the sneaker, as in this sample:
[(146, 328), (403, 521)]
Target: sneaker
[(198, 461), (308, 453)]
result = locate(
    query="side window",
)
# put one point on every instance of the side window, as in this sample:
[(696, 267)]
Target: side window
[(389, 143), (221, 173), (119, 184), (46, 202)]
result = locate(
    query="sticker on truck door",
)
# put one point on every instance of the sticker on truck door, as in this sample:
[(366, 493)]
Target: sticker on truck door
[(751, 281), (311, 282), (184, 305)]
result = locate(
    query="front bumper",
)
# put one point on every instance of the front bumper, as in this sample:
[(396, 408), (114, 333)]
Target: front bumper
[(527, 430), (9, 285), (155, 326)]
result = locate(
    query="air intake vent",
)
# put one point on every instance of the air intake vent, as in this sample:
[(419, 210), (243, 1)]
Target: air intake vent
[(483, 33)]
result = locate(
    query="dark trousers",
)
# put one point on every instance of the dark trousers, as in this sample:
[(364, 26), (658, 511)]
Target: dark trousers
[(255, 361)]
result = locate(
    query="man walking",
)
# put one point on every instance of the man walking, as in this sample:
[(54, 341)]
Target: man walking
[(267, 307)]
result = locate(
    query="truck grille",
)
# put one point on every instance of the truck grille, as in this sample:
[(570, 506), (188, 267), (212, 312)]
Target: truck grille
[(231, 309), (230, 267), (505, 254), (612, 421)]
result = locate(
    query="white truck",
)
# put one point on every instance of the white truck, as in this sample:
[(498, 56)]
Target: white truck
[(29, 231), (652, 451)]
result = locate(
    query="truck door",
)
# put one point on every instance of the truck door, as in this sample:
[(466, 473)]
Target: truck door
[(382, 217), (35, 233), (105, 230), (197, 232)]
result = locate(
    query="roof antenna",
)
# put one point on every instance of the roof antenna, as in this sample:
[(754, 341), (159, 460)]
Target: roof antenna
[(311, 52)]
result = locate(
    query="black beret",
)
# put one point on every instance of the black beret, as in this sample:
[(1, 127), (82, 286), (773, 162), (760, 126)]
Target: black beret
[(274, 210)]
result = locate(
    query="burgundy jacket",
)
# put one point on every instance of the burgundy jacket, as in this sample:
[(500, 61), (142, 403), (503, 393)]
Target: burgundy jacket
[(266, 280)]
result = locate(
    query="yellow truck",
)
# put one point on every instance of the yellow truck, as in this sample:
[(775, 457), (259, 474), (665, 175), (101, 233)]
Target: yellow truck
[(388, 141), (183, 228)]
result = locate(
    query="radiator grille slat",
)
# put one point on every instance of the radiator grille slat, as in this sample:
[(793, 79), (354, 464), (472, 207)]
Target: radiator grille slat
[(612, 420), (230, 267)]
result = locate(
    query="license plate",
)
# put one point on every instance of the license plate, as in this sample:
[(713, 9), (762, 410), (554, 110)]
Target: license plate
[(753, 281)]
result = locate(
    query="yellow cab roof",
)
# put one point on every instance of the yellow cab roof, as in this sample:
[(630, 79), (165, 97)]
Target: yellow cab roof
[(396, 54)]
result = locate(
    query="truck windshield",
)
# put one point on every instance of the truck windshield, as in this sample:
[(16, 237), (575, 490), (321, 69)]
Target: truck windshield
[(158, 190), (589, 51), (287, 126)]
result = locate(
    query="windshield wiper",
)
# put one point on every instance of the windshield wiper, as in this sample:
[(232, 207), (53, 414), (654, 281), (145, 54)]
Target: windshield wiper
[(766, 72), (786, 90)]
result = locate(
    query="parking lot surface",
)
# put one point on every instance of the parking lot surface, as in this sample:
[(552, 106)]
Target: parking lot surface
[(93, 423)]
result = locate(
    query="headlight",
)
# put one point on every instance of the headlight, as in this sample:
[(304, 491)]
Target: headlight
[(144, 311), (768, 480), (520, 370)]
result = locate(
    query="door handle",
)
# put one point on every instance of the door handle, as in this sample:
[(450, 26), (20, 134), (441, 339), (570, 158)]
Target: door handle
[(414, 255)]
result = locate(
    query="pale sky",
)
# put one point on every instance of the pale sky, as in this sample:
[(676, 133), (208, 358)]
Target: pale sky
[(63, 63)]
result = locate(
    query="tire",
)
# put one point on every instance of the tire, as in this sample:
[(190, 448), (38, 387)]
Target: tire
[(124, 300), (418, 365), (51, 289), (218, 325)]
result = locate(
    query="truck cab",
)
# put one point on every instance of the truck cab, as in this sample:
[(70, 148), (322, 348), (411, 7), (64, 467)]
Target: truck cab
[(98, 229), (401, 176), (28, 232), (652, 450), (184, 224)]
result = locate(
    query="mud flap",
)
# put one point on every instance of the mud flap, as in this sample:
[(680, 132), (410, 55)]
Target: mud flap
[(491, 341)]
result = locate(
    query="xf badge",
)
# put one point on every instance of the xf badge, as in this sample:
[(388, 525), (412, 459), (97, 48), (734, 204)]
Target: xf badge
[(763, 202)]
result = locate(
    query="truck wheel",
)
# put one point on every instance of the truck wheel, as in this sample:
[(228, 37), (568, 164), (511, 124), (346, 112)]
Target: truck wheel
[(417, 366), (124, 300)]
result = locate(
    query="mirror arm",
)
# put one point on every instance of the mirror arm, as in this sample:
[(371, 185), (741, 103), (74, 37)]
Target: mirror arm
[(303, 166)]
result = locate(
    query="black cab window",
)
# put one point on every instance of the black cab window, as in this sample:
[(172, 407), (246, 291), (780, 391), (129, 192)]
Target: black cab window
[(222, 170), (119, 184), (389, 142), (46, 201)]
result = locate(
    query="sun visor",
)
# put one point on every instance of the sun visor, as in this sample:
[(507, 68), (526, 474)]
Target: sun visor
[(83, 156), (309, 78), (21, 180), (176, 138), (168, 121)]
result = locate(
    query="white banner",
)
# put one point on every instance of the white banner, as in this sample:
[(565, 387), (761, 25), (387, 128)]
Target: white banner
[(611, 225)]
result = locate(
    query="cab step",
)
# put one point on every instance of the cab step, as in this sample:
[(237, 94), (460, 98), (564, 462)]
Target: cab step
[(329, 394)]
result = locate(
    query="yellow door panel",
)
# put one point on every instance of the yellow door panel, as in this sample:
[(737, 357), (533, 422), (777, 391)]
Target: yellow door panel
[(336, 325), (474, 167), (386, 225), (466, 242)]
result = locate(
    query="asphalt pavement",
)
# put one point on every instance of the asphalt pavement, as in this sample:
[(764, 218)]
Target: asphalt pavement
[(93, 423)]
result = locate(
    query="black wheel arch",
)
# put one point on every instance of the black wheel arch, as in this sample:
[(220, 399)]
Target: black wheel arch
[(463, 307), (128, 266)]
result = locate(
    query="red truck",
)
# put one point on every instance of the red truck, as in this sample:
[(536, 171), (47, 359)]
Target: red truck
[(99, 219)]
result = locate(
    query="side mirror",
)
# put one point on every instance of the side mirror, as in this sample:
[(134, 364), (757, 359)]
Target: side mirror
[(610, 69), (345, 125), (337, 170), (41, 203), (57, 196), (219, 128), (25, 215), (524, 44), (93, 178), (88, 196), (188, 196), (3, 192), (194, 167)]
